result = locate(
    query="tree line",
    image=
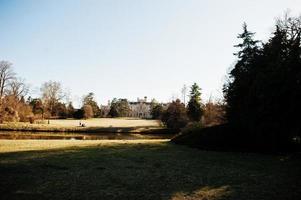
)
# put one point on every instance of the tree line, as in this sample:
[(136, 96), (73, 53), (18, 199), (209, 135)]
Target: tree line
[(262, 97), (263, 94), (178, 115), (52, 103)]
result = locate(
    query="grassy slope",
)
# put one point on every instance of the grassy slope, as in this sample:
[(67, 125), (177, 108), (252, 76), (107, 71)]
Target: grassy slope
[(220, 137), (230, 138), (141, 169)]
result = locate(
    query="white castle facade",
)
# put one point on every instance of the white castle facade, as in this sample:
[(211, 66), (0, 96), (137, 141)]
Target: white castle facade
[(140, 108)]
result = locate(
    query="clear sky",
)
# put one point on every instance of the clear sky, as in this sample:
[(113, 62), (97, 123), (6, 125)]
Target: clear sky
[(130, 48)]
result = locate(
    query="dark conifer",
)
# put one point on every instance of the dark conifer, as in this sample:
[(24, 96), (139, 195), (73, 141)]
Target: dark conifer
[(194, 108)]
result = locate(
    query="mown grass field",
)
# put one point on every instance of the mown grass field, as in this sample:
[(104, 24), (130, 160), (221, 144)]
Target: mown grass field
[(141, 169), (91, 125), (106, 122)]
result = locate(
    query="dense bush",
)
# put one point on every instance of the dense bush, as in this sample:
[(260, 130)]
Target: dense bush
[(25, 113), (13, 109), (226, 137), (60, 111), (175, 117), (157, 111), (78, 114), (221, 137), (70, 110), (119, 108), (192, 127)]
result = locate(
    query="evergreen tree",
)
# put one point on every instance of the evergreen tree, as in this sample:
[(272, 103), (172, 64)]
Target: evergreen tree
[(78, 114), (236, 90), (113, 108), (70, 110), (37, 106), (264, 93), (119, 108), (123, 107), (194, 108), (156, 111)]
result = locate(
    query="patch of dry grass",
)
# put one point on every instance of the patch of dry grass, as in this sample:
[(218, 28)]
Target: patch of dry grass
[(205, 193)]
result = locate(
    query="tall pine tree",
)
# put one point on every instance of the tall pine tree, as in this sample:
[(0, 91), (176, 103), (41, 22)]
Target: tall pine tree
[(236, 90), (194, 107)]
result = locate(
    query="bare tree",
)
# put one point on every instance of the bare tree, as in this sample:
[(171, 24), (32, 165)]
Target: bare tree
[(67, 96), (291, 25), (184, 91), (51, 94), (214, 113), (17, 88), (6, 74)]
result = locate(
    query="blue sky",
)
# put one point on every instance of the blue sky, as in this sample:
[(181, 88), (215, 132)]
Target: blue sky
[(130, 48)]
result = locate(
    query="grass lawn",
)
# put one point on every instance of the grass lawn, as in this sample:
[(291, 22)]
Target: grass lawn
[(106, 122), (91, 125), (141, 169)]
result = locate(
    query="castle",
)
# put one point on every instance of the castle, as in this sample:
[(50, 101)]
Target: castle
[(140, 108)]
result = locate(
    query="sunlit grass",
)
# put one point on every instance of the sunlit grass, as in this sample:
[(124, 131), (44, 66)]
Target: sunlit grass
[(95, 122), (204, 193), (106, 122), (141, 169), (90, 125), (37, 145)]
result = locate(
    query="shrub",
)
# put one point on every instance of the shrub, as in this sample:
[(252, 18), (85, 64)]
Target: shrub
[(227, 137), (157, 111), (78, 114), (221, 137), (192, 127), (175, 116), (119, 108), (25, 112)]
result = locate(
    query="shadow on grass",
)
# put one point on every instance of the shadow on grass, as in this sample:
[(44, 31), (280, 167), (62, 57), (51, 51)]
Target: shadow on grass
[(25, 135), (78, 129), (146, 171)]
